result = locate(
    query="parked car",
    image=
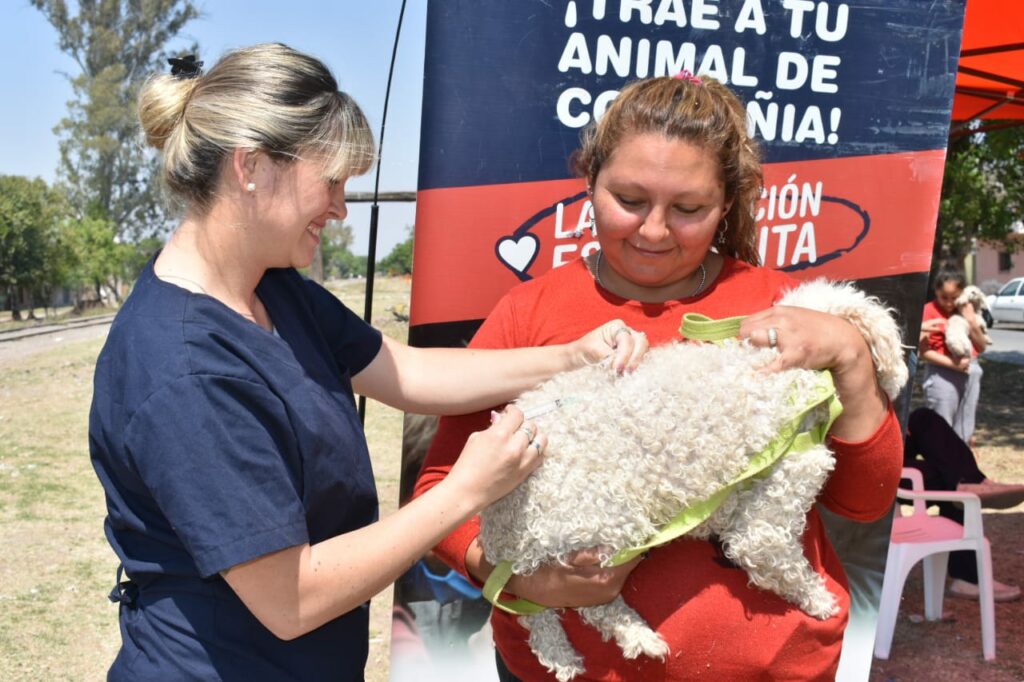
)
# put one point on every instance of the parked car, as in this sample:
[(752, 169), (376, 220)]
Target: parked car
[(1007, 304)]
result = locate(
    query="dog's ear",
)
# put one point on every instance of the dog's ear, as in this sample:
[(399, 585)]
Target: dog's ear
[(973, 295), (978, 298)]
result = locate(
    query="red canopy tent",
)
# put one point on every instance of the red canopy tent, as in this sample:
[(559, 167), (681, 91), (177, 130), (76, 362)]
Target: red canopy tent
[(990, 78)]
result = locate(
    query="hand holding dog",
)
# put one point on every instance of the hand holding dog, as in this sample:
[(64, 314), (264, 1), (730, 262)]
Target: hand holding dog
[(807, 339), (582, 581), (815, 340), (496, 460), (976, 325), (625, 345), (933, 326)]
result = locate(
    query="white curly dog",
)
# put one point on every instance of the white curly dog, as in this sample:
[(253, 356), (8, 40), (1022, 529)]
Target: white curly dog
[(626, 454), (957, 331)]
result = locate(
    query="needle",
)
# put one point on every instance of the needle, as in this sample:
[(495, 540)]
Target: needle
[(544, 408)]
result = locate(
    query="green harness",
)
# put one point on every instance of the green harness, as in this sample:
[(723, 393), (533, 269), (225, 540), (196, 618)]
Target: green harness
[(790, 439)]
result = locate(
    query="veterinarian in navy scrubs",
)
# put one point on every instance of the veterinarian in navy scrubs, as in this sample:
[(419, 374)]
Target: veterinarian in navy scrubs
[(674, 179), (240, 497)]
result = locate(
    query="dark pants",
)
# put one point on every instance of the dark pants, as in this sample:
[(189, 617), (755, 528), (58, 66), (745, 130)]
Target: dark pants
[(944, 460), (503, 674)]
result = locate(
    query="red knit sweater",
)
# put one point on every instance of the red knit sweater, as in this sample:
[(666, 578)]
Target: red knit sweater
[(717, 626)]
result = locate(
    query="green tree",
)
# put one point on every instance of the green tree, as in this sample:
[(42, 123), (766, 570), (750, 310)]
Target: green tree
[(33, 257), (336, 246), (399, 261), (116, 45), (58, 264), (982, 194), (351, 265), (100, 260)]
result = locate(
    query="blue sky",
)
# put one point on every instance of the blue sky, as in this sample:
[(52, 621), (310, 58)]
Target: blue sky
[(354, 38)]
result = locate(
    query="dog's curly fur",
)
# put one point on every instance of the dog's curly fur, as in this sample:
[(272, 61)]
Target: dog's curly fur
[(627, 454), (957, 331)]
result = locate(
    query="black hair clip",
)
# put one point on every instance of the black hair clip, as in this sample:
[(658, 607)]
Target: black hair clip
[(185, 67)]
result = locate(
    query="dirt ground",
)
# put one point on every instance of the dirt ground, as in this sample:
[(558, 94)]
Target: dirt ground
[(950, 649)]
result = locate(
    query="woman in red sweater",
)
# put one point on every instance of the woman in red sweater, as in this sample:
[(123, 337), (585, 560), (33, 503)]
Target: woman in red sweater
[(673, 178), (952, 385)]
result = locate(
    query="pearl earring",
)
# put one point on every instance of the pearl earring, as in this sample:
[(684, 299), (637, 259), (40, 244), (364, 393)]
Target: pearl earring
[(588, 224), (251, 187)]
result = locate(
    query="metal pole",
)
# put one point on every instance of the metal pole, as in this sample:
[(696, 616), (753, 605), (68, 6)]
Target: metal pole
[(371, 258)]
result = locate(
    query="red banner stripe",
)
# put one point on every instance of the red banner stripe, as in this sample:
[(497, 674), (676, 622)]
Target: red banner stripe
[(831, 218)]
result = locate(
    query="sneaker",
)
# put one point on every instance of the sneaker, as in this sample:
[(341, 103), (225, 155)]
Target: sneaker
[(994, 495), (1001, 592)]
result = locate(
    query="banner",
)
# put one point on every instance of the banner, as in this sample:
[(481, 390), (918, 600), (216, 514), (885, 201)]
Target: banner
[(851, 103)]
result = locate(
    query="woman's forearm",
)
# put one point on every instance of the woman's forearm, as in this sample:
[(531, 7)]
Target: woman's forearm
[(977, 337), (296, 590), (937, 358), (974, 330), (453, 381), (864, 402), (449, 381), (457, 380), (299, 589)]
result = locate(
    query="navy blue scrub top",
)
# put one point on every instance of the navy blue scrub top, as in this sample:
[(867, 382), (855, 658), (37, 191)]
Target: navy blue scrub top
[(217, 442)]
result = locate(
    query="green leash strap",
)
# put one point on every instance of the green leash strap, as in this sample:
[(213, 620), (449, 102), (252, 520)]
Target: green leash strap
[(496, 583), (702, 328), (790, 439)]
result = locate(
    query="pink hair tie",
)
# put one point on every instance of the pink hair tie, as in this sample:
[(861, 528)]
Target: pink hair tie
[(685, 75)]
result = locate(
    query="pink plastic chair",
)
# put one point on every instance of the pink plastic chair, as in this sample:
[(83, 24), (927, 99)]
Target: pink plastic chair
[(920, 537)]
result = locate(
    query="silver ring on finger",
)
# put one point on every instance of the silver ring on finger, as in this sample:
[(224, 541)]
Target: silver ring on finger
[(621, 329), (773, 337), (536, 444), (528, 431)]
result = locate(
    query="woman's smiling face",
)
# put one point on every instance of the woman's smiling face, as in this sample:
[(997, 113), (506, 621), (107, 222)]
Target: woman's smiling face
[(301, 202), (657, 204)]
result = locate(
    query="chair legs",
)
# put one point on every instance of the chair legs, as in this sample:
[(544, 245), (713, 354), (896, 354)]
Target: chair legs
[(988, 609), (935, 566), (897, 567), (901, 560)]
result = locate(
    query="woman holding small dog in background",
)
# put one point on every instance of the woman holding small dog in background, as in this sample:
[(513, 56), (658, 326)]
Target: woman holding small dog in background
[(673, 178), (952, 381)]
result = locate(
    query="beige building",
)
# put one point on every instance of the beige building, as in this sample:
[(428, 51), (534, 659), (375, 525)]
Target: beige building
[(992, 265)]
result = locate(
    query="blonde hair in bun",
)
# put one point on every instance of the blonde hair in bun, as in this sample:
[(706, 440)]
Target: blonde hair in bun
[(161, 106), (265, 97)]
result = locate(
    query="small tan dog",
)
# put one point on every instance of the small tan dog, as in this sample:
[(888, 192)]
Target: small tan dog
[(958, 329)]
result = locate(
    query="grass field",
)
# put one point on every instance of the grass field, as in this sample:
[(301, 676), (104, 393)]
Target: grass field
[(49, 316)]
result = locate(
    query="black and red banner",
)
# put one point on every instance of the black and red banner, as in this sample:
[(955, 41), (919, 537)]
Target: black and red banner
[(851, 103)]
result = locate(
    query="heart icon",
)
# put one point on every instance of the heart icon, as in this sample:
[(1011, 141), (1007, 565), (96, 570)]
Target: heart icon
[(518, 254)]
